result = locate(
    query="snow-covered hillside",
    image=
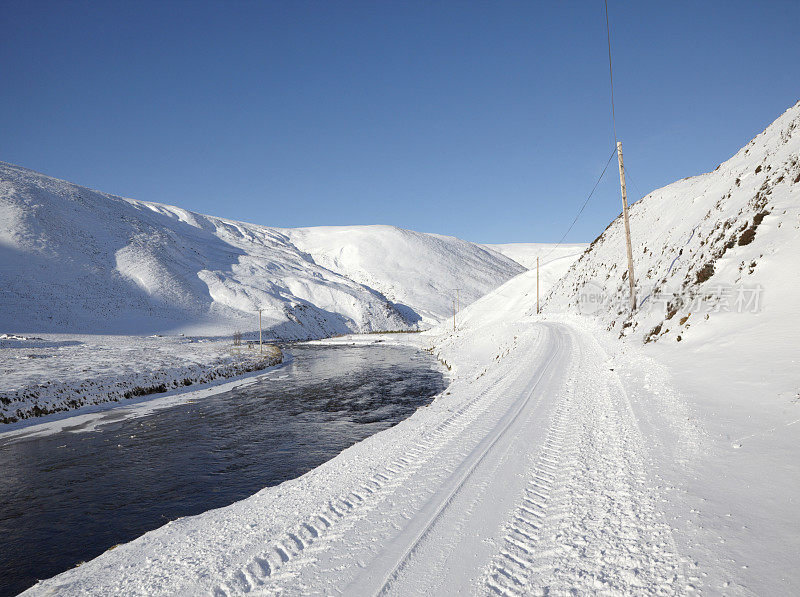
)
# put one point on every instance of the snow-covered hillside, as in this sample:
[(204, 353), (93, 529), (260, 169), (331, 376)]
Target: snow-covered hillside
[(715, 255), (77, 260), (412, 269), (518, 295), (526, 253)]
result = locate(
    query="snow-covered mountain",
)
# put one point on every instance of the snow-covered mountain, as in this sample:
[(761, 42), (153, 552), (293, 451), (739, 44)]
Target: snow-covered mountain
[(78, 260), (412, 269), (715, 255)]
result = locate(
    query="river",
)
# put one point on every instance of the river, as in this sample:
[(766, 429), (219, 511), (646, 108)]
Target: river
[(67, 497)]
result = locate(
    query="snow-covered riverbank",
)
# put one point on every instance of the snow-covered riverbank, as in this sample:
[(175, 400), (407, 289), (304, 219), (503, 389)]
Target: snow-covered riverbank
[(64, 373)]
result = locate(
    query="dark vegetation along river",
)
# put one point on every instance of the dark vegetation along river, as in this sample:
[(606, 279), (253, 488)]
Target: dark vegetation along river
[(66, 498)]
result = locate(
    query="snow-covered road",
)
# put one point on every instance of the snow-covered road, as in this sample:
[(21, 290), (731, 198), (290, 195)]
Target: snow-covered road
[(539, 484), (528, 476)]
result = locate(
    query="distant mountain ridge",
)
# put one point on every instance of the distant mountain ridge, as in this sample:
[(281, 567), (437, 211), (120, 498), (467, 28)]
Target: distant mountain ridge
[(75, 260)]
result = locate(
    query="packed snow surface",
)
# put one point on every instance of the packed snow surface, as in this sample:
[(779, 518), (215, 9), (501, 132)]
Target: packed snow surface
[(76, 260)]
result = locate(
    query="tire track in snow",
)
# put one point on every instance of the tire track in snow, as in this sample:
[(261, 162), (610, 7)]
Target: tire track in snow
[(282, 557), (588, 521), (380, 582), (509, 573), (585, 521)]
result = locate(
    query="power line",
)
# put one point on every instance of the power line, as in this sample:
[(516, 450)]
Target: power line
[(614, 127), (633, 182), (580, 211), (611, 76)]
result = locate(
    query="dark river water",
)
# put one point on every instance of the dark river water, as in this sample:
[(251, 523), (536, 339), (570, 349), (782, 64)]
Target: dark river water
[(67, 497)]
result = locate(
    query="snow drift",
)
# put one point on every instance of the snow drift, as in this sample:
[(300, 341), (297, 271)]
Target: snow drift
[(77, 260)]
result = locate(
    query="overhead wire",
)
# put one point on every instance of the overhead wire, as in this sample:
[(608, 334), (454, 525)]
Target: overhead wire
[(611, 75), (614, 127), (580, 211)]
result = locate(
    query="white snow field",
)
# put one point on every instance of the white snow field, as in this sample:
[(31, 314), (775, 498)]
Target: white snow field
[(96, 263), (562, 459)]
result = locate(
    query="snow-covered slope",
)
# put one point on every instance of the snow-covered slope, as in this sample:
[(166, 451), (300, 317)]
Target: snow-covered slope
[(409, 268), (526, 253), (715, 255), (516, 298), (77, 260)]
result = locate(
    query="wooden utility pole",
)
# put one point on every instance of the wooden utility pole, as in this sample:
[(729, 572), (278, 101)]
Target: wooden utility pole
[(627, 225), (454, 316), (260, 346), (458, 300), (537, 285)]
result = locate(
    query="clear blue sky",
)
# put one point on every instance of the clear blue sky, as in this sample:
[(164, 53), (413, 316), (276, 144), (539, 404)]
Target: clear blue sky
[(486, 120)]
